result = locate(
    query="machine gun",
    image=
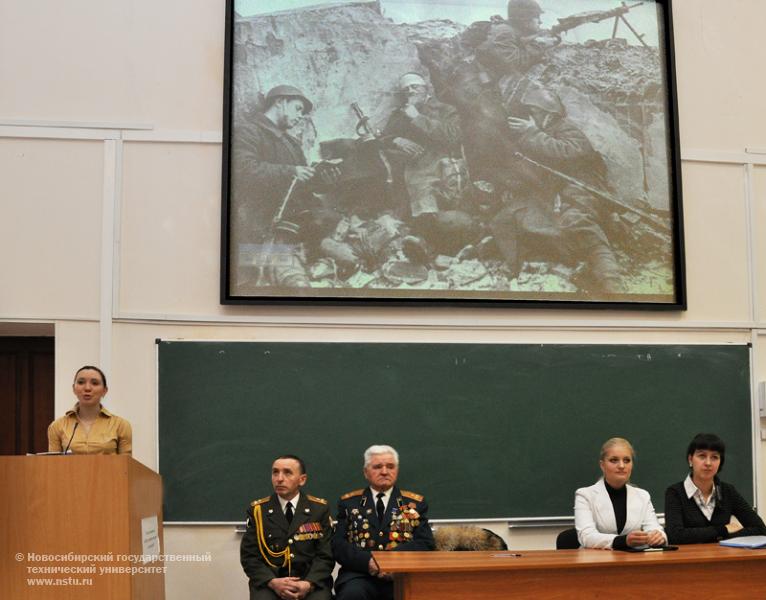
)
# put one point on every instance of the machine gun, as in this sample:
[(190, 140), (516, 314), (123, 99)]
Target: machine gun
[(365, 174), (596, 16), (657, 224)]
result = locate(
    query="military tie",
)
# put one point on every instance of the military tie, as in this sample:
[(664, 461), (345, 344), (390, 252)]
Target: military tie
[(379, 507), (289, 512)]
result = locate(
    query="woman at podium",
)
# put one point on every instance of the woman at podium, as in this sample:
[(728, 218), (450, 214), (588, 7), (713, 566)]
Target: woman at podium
[(699, 509), (613, 514), (88, 428)]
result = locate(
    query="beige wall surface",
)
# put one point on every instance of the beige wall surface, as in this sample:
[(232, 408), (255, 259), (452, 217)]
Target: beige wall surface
[(110, 290), (171, 224), (142, 62), (83, 336), (718, 50), (717, 265), (758, 194), (50, 227)]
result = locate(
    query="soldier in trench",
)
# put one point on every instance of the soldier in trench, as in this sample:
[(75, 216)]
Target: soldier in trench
[(547, 216)]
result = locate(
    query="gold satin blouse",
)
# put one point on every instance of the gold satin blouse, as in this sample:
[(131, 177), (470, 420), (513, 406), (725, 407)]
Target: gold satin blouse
[(109, 434)]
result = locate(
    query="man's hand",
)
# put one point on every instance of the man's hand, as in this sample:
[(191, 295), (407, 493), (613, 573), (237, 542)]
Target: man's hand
[(303, 588), (547, 40), (411, 111), (286, 587), (372, 567), (303, 174), (409, 147), (521, 126), (329, 174)]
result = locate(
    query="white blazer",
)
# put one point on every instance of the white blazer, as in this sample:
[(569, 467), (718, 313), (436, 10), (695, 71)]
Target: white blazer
[(594, 515)]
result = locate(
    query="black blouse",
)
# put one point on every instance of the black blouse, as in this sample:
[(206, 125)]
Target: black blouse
[(619, 498)]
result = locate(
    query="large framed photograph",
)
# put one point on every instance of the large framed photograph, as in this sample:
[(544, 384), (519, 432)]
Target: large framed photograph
[(519, 152)]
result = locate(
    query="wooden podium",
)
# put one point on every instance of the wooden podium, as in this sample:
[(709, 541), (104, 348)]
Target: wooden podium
[(73, 527)]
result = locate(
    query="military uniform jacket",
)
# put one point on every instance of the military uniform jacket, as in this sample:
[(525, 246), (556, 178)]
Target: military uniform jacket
[(358, 531), (437, 130), (263, 165), (308, 536)]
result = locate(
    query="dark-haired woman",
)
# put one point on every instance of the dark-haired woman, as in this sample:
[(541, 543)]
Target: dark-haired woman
[(88, 428), (699, 509)]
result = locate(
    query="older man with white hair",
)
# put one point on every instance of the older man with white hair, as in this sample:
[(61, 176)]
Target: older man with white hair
[(377, 517)]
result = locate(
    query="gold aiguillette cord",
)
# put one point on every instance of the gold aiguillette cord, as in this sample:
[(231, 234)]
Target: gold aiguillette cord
[(264, 548)]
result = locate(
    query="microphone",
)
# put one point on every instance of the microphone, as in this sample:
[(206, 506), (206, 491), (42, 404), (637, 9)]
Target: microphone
[(76, 423)]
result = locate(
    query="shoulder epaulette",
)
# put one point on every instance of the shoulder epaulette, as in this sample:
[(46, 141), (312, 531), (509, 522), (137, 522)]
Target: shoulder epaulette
[(413, 495), (352, 494), (261, 501), (315, 499)]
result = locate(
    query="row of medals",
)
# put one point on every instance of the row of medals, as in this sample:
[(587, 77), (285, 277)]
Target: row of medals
[(400, 532), (308, 531)]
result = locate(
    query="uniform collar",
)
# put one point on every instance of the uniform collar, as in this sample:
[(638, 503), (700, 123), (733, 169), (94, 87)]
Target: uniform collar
[(386, 495), (294, 501)]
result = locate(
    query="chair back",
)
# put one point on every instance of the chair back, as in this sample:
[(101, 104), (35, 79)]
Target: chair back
[(567, 540)]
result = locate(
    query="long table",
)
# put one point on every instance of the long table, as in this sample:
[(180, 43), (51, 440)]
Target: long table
[(693, 571)]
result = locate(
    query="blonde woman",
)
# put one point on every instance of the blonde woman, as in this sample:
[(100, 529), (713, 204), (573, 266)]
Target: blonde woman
[(611, 513)]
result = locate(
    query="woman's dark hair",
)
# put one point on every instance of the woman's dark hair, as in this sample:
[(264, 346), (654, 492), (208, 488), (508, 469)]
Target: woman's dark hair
[(92, 368), (707, 441)]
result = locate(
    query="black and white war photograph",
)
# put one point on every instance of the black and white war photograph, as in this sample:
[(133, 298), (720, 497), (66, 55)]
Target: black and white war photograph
[(452, 150)]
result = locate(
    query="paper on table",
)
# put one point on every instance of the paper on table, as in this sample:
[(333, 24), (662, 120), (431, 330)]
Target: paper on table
[(747, 541)]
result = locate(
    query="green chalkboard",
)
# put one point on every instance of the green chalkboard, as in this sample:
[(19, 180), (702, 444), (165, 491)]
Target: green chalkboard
[(483, 430)]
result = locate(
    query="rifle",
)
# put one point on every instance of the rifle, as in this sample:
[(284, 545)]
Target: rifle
[(280, 213), (656, 221)]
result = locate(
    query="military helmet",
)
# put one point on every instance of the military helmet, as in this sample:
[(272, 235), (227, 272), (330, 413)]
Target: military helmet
[(541, 97), (288, 91), (411, 78), (523, 9)]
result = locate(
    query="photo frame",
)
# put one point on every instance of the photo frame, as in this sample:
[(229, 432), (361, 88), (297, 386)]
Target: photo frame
[(499, 152)]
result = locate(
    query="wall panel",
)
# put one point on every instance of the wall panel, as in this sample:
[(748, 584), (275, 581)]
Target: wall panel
[(158, 63), (718, 52), (50, 226)]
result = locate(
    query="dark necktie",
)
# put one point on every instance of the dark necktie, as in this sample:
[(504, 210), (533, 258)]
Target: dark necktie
[(379, 506), (289, 512)]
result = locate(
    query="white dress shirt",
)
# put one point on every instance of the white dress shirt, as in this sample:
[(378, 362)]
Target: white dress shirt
[(293, 501), (385, 497), (706, 506)]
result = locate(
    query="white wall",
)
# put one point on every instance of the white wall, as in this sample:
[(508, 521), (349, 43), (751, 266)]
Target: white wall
[(110, 225)]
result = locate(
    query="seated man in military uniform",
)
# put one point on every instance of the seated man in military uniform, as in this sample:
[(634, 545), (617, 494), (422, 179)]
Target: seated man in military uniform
[(378, 517), (285, 551)]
